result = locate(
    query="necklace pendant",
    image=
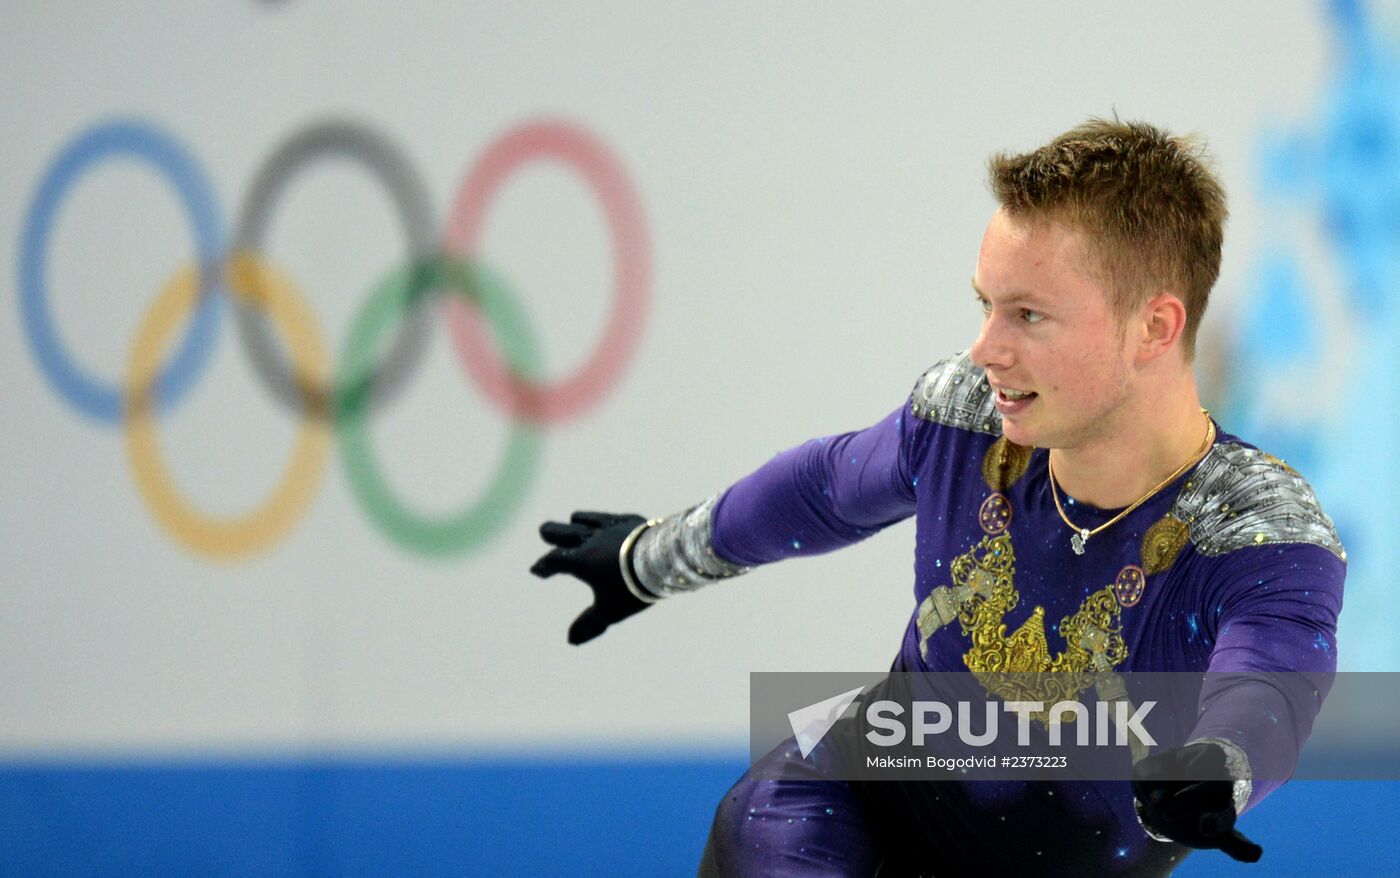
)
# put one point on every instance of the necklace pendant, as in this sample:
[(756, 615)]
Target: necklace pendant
[(1077, 541)]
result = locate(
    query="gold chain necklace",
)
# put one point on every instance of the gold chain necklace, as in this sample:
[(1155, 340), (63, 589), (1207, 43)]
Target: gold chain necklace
[(1082, 534)]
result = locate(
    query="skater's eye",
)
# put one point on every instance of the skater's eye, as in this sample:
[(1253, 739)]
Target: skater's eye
[(1031, 316)]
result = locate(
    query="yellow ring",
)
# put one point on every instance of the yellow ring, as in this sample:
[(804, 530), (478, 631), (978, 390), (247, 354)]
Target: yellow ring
[(238, 536)]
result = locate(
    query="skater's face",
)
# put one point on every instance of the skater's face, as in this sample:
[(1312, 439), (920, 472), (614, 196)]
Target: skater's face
[(1053, 348)]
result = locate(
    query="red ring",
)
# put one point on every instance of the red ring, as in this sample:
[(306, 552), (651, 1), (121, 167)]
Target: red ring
[(528, 400)]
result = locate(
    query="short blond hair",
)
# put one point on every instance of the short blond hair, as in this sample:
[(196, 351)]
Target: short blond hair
[(1149, 202)]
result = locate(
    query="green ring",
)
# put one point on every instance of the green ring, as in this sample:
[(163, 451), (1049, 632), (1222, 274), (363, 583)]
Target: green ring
[(390, 303)]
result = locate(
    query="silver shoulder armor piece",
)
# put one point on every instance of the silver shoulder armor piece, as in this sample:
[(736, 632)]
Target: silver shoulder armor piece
[(1240, 497), (956, 393)]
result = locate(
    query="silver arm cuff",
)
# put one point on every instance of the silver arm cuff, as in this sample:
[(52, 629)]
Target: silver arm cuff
[(675, 555), (1137, 812), (1236, 763), (625, 562)]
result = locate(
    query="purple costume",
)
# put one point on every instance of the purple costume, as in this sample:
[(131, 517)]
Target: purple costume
[(1233, 567)]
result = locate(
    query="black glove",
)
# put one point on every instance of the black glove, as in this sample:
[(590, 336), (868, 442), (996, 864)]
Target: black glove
[(1187, 795), (588, 549)]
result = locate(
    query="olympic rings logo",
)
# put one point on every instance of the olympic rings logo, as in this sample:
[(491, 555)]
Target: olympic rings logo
[(267, 304)]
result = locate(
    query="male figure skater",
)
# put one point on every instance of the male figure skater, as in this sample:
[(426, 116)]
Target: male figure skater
[(1068, 488)]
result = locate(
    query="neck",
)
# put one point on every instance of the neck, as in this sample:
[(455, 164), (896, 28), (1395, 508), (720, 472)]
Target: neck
[(1144, 445)]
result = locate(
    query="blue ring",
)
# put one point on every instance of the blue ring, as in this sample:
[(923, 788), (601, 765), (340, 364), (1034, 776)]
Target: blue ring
[(95, 398)]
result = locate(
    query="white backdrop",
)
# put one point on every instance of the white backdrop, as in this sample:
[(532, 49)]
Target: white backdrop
[(812, 179)]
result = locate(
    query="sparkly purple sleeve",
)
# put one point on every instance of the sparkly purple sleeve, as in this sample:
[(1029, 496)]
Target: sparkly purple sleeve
[(821, 495), (1274, 656)]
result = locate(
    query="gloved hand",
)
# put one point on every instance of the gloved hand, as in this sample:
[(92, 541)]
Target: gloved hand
[(1187, 794), (588, 548)]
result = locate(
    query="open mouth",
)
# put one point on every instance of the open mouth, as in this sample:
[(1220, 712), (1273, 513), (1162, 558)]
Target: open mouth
[(1011, 400)]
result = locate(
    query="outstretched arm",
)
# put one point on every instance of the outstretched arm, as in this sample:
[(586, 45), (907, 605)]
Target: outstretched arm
[(1270, 668), (1274, 658), (817, 497), (822, 495)]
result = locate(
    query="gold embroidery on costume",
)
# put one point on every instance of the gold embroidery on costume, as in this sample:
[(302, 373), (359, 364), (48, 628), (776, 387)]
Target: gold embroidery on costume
[(1093, 635), (1163, 541), (1004, 463), (1019, 666), (972, 577), (1027, 651), (1129, 585), (995, 514)]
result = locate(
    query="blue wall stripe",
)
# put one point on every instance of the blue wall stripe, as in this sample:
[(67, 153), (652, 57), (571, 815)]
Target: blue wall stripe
[(500, 818)]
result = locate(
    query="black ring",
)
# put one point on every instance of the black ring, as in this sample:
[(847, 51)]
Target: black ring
[(352, 140)]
